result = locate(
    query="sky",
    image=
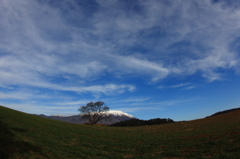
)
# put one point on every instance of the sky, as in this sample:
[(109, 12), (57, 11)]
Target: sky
[(151, 59)]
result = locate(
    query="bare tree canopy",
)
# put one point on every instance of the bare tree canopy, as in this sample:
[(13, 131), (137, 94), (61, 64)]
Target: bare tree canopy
[(94, 112)]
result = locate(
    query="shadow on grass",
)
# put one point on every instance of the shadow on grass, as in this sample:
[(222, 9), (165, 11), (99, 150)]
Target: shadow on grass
[(9, 144)]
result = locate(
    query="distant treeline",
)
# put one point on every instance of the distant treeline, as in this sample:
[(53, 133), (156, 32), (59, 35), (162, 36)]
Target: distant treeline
[(138, 122)]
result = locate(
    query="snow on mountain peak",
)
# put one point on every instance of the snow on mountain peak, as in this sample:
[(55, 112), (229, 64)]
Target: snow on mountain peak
[(119, 113)]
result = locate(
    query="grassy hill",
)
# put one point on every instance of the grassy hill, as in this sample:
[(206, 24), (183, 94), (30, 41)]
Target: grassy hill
[(224, 112), (29, 136)]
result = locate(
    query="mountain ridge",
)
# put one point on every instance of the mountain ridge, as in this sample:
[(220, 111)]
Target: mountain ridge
[(116, 116)]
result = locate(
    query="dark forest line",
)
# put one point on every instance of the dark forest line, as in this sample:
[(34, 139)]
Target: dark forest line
[(138, 122)]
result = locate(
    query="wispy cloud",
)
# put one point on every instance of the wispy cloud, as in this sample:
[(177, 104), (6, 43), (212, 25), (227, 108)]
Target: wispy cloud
[(105, 48), (34, 108), (54, 42), (151, 105), (190, 87), (161, 87), (139, 109), (136, 99), (71, 103), (180, 85), (173, 102), (183, 86), (22, 95)]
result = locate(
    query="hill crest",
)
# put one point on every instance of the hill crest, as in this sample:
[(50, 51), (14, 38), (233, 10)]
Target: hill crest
[(223, 112)]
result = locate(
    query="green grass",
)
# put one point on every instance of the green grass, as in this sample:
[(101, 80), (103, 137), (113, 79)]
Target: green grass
[(28, 136)]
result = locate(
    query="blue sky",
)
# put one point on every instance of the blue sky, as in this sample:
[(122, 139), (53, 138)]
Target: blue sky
[(157, 58)]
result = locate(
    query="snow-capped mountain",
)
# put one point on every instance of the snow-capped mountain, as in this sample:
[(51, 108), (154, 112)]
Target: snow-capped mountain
[(116, 116)]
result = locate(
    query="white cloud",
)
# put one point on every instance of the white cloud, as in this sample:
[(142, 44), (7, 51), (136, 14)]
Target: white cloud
[(70, 103), (184, 86), (190, 87), (180, 85), (174, 102), (136, 99), (72, 48), (132, 65), (137, 109), (22, 95), (31, 28), (105, 89), (161, 87), (151, 105), (33, 108)]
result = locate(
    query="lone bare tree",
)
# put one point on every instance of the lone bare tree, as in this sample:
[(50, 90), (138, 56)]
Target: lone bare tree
[(94, 112)]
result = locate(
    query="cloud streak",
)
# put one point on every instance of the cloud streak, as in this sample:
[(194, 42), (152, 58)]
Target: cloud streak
[(49, 56), (148, 106), (106, 48)]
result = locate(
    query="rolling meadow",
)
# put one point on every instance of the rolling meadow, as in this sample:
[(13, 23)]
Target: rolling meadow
[(28, 136)]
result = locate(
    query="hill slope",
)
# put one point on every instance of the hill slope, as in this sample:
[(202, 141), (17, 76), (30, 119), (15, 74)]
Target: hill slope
[(223, 112), (29, 136)]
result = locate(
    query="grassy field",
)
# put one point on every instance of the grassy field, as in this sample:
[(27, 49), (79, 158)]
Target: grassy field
[(28, 136)]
